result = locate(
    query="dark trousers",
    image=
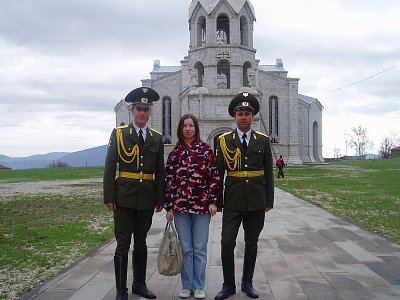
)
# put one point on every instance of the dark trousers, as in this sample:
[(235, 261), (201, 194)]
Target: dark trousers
[(253, 223), (131, 221), (280, 172)]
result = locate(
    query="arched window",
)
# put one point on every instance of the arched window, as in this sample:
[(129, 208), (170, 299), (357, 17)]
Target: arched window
[(301, 138), (166, 120), (223, 30), (201, 31), (223, 74), (273, 119), (244, 31), (315, 141), (246, 73), (200, 72)]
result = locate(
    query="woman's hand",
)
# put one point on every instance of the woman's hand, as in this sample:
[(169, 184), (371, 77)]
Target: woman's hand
[(212, 208), (169, 215)]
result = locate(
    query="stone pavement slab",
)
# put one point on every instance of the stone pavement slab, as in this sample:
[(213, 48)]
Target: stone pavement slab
[(304, 253)]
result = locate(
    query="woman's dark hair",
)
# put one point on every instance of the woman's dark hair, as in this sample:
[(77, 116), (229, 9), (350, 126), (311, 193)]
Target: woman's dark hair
[(179, 131)]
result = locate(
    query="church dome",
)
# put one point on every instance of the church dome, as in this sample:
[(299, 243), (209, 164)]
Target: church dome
[(209, 5)]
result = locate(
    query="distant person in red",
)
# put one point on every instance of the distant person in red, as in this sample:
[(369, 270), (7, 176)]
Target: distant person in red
[(280, 164)]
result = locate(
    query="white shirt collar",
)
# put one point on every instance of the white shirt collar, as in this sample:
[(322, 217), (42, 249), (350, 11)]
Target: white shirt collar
[(240, 134), (144, 130)]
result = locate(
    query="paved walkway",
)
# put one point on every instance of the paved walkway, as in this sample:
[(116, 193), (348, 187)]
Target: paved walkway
[(304, 253)]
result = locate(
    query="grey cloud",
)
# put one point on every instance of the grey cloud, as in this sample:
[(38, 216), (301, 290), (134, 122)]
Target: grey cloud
[(70, 26)]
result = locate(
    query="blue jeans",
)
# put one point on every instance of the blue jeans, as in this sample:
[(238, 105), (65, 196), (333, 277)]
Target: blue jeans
[(193, 234)]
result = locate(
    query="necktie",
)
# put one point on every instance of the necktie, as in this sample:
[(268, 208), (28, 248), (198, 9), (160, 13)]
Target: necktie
[(244, 136), (141, 139)]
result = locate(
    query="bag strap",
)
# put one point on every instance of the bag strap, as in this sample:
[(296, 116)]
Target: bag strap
[(169, 223)]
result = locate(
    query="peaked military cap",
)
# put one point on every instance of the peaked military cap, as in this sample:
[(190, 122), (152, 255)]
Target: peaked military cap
[(142, 97), (244, 101)]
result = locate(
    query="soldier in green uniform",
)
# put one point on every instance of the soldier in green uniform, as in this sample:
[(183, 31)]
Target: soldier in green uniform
[(245, 155), (137, 151)]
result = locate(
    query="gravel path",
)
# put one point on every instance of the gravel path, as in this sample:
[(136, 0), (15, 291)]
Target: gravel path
[(61, 187)]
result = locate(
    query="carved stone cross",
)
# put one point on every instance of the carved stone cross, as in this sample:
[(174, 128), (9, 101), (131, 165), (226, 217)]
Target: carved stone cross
[(223, 54)]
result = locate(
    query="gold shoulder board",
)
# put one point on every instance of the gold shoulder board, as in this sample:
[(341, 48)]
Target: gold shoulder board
[(224, 134), (155, 131), (261, 133), (123, 126)]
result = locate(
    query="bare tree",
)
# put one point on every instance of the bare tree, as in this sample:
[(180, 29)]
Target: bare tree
[(58, 164), (336, 152), (387, 144), (359, 140)]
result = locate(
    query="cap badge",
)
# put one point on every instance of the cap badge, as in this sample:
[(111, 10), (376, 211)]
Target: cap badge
[(145, 90), (245, 94), (245, 103), (144, 100)]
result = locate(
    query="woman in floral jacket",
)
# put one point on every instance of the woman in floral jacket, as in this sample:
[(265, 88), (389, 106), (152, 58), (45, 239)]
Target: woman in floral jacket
[(192, 186)]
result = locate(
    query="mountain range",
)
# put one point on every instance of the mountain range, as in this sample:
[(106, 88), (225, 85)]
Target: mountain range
[(89, 157)]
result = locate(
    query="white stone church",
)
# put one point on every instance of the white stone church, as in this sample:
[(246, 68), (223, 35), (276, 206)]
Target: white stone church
[(221, 62)]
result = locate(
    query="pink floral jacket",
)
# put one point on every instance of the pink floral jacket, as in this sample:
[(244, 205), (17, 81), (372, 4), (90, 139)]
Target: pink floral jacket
[(191, 179)]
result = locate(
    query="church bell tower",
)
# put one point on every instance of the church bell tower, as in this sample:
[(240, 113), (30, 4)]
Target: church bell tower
[(221, 53)]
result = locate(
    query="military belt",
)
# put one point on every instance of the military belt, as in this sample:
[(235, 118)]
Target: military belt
[(138, 176), (246, 173)]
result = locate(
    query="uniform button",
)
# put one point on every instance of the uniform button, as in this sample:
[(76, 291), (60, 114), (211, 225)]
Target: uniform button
[(141, 180), (247, 181), (141, 164), (245, 166), (141, 156), (245, 157)]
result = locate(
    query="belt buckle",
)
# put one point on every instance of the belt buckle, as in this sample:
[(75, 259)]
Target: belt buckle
[(244, 173), (141, 175)]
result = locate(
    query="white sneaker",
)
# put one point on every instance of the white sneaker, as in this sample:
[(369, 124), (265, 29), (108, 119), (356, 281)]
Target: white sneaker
[(184, 294), (199, 294)]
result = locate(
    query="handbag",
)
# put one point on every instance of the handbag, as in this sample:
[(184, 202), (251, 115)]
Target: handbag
[(169, 259)]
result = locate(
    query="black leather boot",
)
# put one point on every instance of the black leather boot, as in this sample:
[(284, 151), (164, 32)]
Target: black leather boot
[(228, 269), (139, 272), (226, 291), (121, 266), (249, 263)]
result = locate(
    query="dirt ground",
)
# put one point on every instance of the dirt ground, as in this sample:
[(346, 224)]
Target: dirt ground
[(61, 187)]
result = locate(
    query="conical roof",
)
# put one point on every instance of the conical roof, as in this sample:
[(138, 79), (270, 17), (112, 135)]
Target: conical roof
[(209, 5)]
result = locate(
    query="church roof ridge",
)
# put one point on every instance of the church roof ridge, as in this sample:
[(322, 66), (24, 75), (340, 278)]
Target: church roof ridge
[(309, 100), (166, 69), (209, 5), (271, 68)]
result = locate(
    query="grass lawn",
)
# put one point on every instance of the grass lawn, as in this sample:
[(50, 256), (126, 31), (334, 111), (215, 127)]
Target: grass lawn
[(50, 174), (366, 193), (41, 234)]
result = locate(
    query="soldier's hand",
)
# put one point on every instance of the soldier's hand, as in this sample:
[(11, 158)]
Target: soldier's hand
[(111, 206)]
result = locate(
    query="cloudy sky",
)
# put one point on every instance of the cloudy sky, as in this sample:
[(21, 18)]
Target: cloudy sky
[(65, 64)]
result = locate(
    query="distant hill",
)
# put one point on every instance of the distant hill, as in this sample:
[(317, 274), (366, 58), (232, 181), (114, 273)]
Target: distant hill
[(90, 157)]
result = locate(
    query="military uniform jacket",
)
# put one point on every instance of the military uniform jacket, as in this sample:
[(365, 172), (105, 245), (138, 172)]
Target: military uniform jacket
[(245, 193), (125, 155)]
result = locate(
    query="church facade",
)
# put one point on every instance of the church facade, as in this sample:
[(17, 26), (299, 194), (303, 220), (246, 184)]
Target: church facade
[(221, 62)]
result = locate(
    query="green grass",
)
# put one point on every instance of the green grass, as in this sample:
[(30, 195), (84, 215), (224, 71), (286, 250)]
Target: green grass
[(50, 174), (367, 193), (41, 234)]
